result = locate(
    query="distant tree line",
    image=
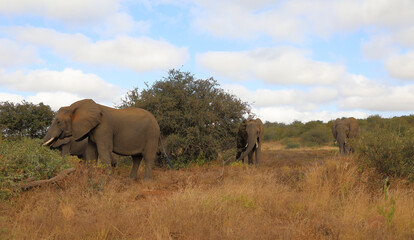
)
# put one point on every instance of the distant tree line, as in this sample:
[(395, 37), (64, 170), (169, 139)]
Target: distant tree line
[(297, 134), (318, 133)]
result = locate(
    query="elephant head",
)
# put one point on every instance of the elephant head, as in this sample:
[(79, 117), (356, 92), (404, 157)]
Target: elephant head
[(75, 121), (253, 130)]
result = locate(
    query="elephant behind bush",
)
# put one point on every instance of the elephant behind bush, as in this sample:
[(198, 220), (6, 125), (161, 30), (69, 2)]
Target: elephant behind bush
[(343, 130)]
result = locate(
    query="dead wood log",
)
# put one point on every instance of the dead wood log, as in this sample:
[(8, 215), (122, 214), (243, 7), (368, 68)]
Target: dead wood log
[(29, 183)]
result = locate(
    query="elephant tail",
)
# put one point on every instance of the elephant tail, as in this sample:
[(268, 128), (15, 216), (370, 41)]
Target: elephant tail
[(165, 153)]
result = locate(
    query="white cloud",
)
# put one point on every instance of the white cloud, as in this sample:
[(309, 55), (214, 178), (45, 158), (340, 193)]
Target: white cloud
[(379, 47), (289, 114), (139, 54), (295, 19), (301, 100), (245, 19), (360, 92), (8, 97), (74, 11), (11, 54), (401, 66), (122, 23), (272, 65), (69, 81), (55, 100)]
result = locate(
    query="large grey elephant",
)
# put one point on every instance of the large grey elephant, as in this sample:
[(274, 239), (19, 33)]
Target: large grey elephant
[(249, 140), (343, 130), (127, 132)]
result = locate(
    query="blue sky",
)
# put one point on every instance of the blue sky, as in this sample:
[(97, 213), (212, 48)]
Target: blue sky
[(292, 60)]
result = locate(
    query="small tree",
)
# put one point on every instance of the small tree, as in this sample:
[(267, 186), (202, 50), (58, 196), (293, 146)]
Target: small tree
[(197, 118), (25, 119)]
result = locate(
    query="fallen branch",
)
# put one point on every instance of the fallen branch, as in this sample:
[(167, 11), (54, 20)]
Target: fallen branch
[(26, 185)]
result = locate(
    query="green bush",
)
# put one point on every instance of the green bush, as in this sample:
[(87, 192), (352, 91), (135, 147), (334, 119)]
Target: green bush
[(390, 152), (21, 159), (290, 143), (317, 136), (196, 116)]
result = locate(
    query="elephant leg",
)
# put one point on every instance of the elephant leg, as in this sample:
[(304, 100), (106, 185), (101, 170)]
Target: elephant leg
[(90, 152), (136, 160), (258, 154), (149, 157), (113, 161), (250, 157), (239, 153), (104, 152)]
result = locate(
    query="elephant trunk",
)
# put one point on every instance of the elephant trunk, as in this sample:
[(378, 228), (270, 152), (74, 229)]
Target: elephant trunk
[(250, 145)]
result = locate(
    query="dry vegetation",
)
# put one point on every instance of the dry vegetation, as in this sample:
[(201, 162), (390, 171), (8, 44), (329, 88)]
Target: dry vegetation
[(295, 194)]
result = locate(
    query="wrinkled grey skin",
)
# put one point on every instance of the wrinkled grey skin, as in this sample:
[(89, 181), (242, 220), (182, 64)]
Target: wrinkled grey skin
[(249, 140), (343, 130), (68, 146), (127, 132)]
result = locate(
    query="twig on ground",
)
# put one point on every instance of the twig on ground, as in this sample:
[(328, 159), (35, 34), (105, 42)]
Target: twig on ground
[(30, 183)]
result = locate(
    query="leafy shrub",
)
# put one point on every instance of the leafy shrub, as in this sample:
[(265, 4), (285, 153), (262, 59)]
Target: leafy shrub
[(21, 159), (290, 143), (390, 152), (317, 136), (196, 116)]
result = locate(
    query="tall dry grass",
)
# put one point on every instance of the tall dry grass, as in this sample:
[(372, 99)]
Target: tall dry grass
[(322, 197)]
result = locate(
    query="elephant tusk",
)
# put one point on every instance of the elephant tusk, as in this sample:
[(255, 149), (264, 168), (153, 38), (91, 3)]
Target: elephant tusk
[(48, 142)]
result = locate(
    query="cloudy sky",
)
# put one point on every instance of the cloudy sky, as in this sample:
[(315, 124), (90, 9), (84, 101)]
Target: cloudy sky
[(291, 59)]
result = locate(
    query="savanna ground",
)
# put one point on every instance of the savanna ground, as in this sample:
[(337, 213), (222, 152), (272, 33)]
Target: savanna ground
[(295, 194)]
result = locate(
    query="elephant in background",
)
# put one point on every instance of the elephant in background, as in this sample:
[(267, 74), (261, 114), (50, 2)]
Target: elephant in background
[(249, 140), (68, 146), (343, 130), (127, 132)]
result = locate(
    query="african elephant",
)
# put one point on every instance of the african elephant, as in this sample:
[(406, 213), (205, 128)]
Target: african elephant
[(128, 132), (343, 130), (249, 140), (68, 146)]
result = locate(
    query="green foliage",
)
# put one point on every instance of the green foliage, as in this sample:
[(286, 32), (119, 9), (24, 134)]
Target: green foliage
[(317, 136), (290, 143), (25, 158), (387, 210), (196, 116), (313, 133), (25, 119), (389, 151)]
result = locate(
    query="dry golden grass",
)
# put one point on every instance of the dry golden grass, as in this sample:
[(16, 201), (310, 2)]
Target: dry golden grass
[(301, 194)]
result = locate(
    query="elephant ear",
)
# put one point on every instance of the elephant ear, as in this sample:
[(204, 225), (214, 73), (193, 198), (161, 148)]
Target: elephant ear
[(61, 142), (85, 117)]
